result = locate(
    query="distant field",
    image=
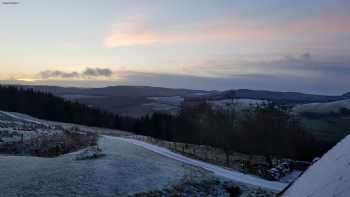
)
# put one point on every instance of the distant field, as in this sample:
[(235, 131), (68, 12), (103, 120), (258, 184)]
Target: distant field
[(329, 128), (328, 121)]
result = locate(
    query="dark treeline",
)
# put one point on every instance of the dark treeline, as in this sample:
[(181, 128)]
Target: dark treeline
[(268, 130), (49, 107), (265, 130)]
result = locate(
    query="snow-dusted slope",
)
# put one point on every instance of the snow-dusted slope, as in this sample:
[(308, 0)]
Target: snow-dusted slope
[(114, 142), (22, 117), (239, 104), (126, 169), (323, 108), (16, 127), (232, 175), (330, 176)]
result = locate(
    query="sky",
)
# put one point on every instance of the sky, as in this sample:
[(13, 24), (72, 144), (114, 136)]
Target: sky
[(285, 45)]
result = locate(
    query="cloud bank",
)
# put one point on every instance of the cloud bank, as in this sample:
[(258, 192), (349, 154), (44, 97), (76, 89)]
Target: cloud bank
[(303, 65), (303, 72), (319, 85), (86, 73)]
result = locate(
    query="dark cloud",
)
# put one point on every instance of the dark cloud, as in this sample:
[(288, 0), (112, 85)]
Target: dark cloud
[(87, 73), (97, 72), (57, 74), (305, 64), (319, 85), (306, 56)]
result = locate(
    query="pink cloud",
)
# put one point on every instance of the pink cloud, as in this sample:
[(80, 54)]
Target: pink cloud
[(128, 39), (142, 32)]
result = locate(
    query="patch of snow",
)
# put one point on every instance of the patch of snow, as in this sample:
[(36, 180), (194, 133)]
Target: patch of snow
[(161, 107), (22, 117), (239, 104), (90, 153), (201, 93), (171, 100), (322, 108)]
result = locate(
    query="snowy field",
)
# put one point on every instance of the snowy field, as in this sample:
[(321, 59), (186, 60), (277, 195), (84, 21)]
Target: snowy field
[(14, 129), (126, 169), (239, 104), (130, 166), (322, 108), (170, 100), (24, 119), (164, 104), (172, 104)]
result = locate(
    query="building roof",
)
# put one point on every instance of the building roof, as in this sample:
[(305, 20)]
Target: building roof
[(328, 177)]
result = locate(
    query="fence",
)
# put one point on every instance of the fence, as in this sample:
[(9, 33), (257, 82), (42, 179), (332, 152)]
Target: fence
[(237, 161)]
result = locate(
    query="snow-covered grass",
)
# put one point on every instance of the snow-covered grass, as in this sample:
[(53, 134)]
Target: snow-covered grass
[(126, 169), (322, 108), (219, 171), (24, 135), (22, 117), (329, 176), (15, 127), (129, 166), (92, 152)]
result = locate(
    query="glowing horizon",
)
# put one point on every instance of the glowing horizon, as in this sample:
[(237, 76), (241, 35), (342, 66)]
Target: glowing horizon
[(222, 39)]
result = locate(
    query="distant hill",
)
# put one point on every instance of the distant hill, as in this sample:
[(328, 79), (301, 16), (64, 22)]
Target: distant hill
[(346, 95), (123, 91), (329, 108), (139, 100), (278, 97), (123, 100)]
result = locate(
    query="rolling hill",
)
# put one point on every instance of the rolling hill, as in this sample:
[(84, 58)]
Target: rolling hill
[(137, 101)]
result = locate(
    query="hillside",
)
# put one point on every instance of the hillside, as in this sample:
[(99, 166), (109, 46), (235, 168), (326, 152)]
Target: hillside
[(123, 100), (346, 95), (130, 91), (328, 121), (278, 97), (329, 108)]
